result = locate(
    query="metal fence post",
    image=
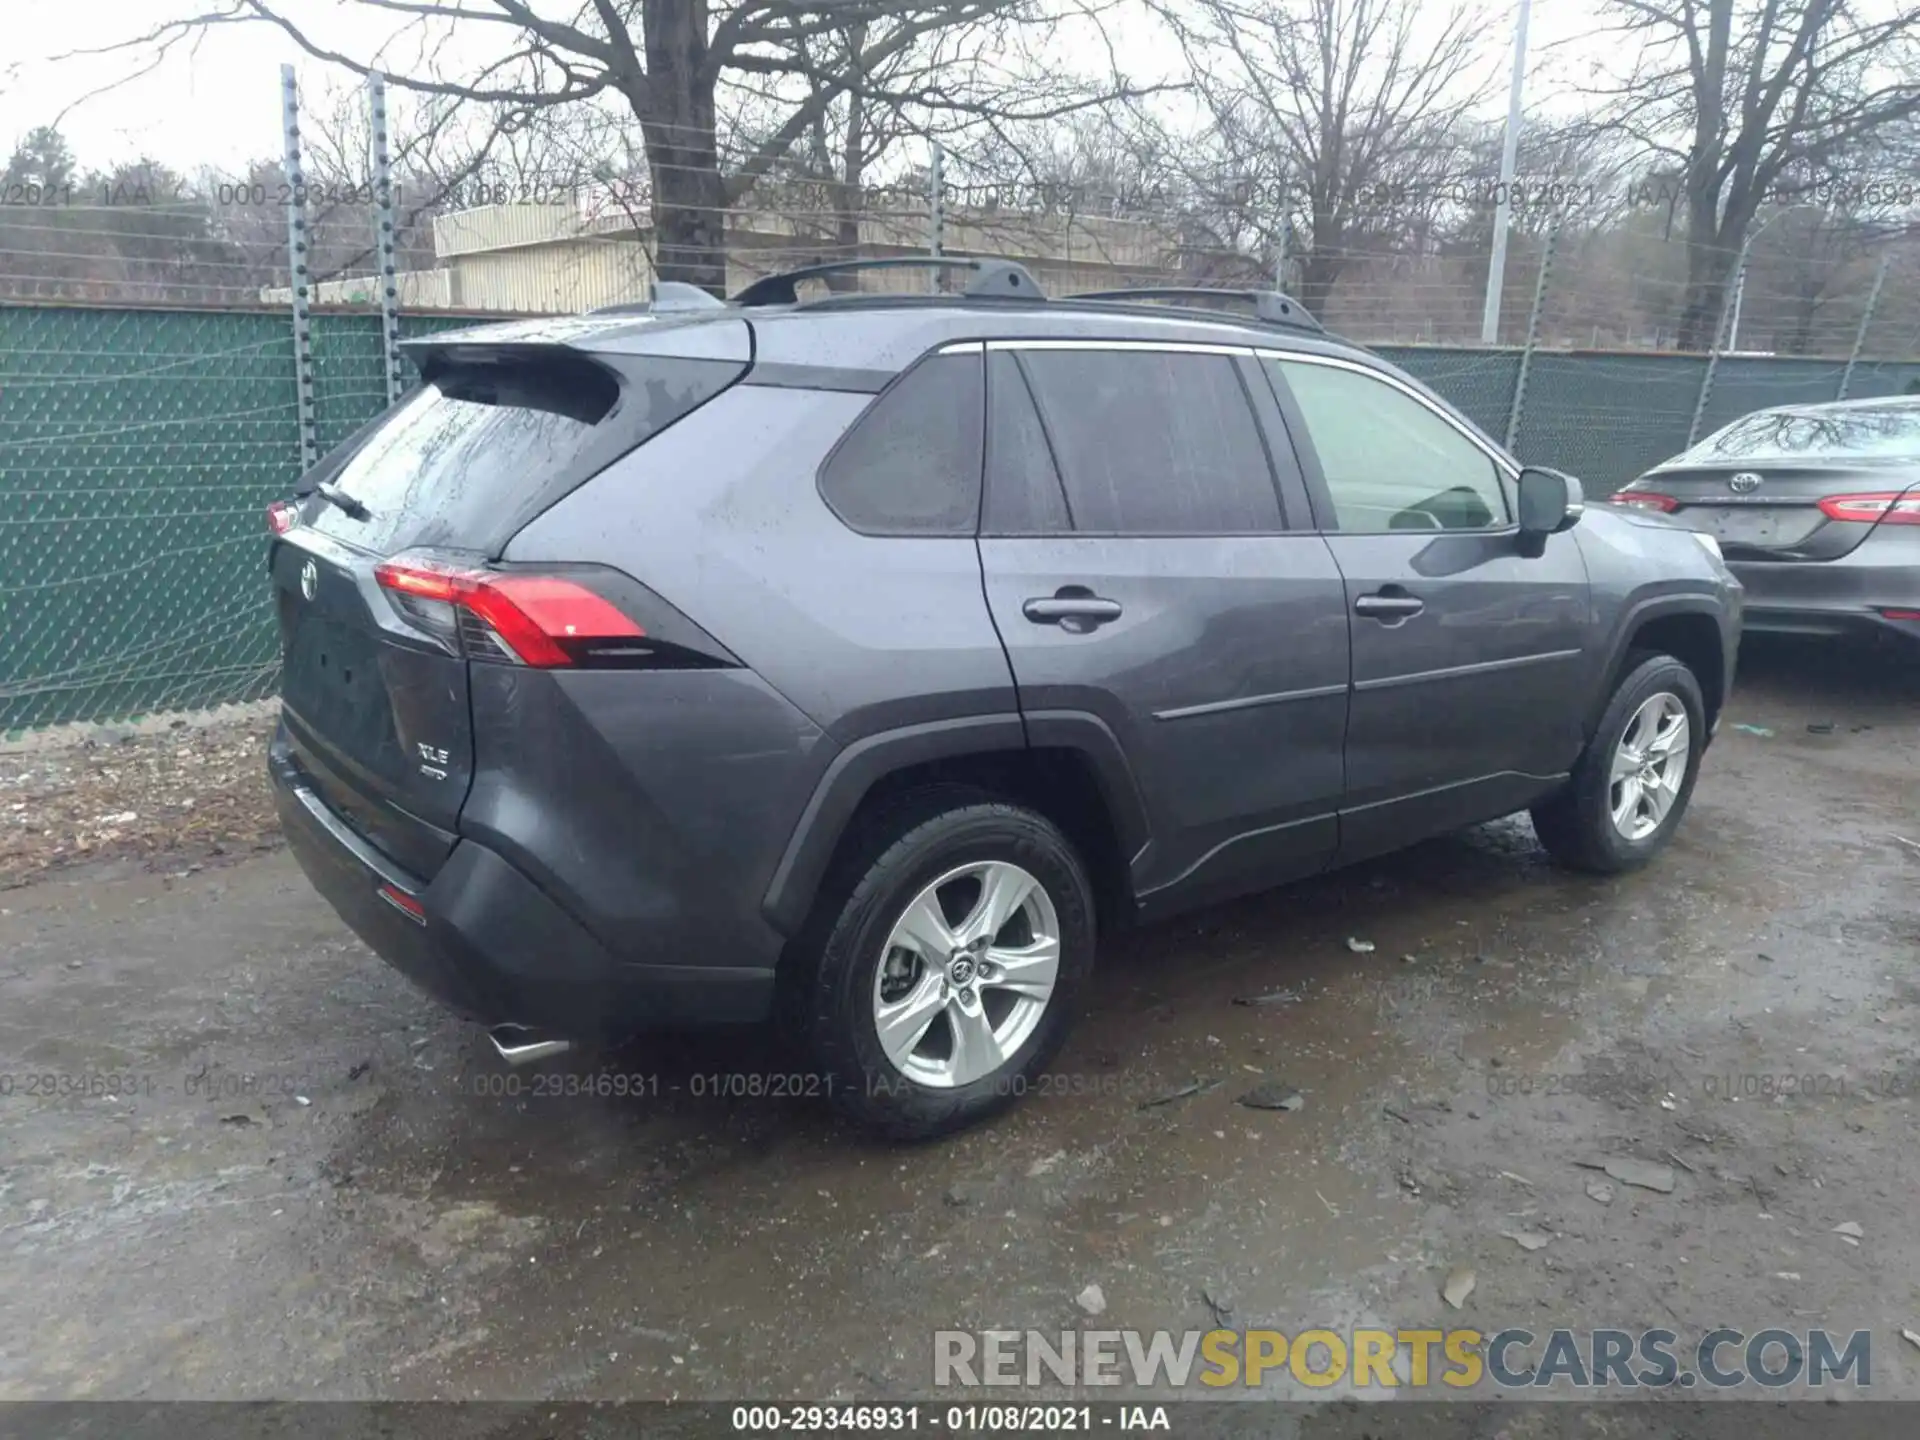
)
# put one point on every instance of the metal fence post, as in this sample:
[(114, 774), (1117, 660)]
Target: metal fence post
[(1866, 319), (1533, 336), (384, 237), (300, 271), (1282, 232), (936, 202), (1713, 349)]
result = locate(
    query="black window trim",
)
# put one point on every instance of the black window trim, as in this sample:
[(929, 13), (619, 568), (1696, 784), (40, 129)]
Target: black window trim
[(1506, 472), (1288, 526), (962, 347), (1053, 461)]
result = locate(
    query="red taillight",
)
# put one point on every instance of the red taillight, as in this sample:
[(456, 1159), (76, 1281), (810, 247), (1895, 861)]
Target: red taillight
[(1645, 500), (1901, 614), (540, 620), (281, 516), (1887, 507)]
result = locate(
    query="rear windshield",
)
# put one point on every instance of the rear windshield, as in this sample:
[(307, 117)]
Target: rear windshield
[(1870, 431), (480, 449)]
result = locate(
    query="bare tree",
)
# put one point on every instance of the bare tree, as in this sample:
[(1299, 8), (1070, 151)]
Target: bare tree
[(664, 61), (1338, 119), (1751, 100)]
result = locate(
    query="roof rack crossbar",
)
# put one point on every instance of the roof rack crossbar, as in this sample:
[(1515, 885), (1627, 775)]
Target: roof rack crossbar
[(1268, 305), (1004, 278)]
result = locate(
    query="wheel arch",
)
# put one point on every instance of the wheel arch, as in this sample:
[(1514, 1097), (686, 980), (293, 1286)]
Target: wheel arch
[(1068, 765), (1686, 627)]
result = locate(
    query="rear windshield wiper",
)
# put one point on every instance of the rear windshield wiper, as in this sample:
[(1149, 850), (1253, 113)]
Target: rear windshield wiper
[(342, 501)]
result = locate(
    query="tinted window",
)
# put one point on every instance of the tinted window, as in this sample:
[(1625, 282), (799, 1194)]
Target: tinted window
[(479, 446), (911, 463), (1154, 442), (1390, 461), (1023, 488), (1887, 430)]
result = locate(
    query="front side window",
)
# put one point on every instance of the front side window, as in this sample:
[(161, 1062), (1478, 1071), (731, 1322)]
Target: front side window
[(1390, 461)]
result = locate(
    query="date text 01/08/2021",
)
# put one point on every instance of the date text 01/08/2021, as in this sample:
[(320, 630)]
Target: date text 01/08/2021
[(611, 1085), (959, 1419)]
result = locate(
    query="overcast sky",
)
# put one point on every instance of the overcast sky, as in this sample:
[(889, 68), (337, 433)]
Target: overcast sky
[(220, 104)]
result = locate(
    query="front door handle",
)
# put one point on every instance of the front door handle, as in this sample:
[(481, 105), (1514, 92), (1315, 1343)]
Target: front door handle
[(1389, 605), (1073, 608)]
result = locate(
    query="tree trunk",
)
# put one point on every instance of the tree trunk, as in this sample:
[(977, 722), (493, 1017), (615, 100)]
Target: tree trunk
[(1317, 274), (1709, 275), (677, 120)]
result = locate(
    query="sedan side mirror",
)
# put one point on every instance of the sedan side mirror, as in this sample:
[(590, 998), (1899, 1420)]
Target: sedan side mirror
[(1550, 501)]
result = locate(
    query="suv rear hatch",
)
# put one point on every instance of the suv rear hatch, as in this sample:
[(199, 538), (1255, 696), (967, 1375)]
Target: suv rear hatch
[(1786, 485), (383, 582)]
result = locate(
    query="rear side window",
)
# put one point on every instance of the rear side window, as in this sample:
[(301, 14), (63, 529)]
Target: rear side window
[(1154, 442), (911, 463), (480, 449)]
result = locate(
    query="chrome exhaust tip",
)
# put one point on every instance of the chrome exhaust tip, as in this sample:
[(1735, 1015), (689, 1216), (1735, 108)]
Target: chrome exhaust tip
[(521, 1045)]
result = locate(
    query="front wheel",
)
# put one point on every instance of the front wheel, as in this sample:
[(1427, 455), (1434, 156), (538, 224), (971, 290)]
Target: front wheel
[(1632, 783), (950, 971)]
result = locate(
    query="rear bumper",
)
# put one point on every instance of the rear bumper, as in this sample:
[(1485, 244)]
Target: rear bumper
[(1847, 596), (491, 944)]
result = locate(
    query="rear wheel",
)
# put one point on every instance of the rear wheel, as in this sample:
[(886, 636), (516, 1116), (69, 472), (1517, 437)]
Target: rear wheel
[(948, 969), (1633, 781)]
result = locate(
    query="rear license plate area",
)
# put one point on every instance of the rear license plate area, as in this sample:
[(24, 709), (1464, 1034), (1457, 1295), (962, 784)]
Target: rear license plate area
[(333, 682), (1761, 526)]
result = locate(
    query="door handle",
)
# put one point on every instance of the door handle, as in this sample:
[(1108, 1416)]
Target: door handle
[(1389, 604), (1073, 608)]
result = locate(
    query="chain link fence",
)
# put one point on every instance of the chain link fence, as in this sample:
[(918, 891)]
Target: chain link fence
[(140, 447), (138, 451)]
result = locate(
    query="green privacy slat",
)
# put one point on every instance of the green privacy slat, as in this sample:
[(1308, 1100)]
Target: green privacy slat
[(139, 449)]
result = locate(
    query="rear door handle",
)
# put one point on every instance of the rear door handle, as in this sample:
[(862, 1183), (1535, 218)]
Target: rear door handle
[(1073, 608), (1389, 604)]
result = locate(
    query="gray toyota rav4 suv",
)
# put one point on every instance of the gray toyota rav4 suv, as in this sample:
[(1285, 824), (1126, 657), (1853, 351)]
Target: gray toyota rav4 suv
[(855, 663)]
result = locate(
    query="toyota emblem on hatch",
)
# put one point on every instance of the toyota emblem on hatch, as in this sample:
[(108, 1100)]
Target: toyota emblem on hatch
[(1743, 482), (309, 579)]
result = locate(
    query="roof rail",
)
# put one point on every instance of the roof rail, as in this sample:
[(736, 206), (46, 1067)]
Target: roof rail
[(1268, 305), (668, 296), (1006, 279)]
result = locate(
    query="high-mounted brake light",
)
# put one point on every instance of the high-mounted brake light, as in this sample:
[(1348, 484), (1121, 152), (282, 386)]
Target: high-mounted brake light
[(282, 516), (544, 621), (1645, 500), (1887, 507)]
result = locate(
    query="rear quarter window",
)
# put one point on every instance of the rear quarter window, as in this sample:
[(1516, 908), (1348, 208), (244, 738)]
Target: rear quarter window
[(911, 463)]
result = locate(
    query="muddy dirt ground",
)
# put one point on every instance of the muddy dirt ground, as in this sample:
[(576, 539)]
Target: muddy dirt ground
[(372, 1216)]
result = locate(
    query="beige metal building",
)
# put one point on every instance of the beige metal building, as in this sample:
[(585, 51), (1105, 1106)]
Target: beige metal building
[(562, 259)]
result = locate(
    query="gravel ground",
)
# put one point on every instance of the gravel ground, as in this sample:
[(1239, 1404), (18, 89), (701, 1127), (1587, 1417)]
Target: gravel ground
[(321, 1186), (177, 793)]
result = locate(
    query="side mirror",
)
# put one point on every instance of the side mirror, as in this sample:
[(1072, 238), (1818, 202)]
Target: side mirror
[(1550, 502)]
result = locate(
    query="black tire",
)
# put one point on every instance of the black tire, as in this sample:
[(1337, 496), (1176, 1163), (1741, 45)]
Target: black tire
[(1576, 823), (830, 978)]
